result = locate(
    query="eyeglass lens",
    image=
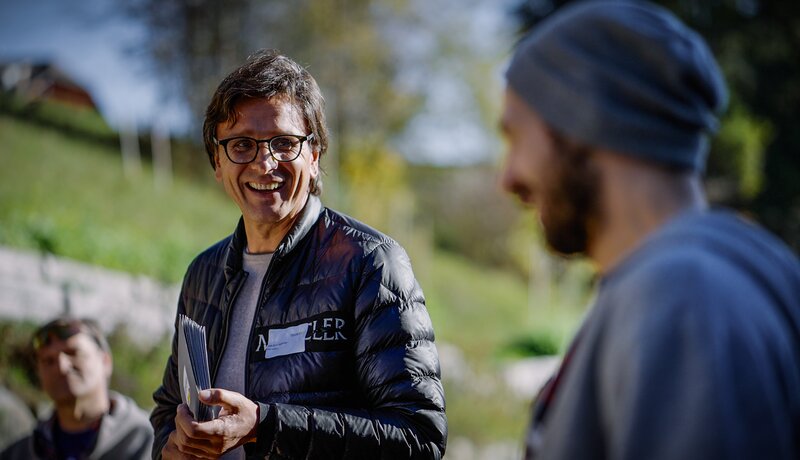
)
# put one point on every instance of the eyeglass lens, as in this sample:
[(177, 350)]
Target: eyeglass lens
[(245, 149)]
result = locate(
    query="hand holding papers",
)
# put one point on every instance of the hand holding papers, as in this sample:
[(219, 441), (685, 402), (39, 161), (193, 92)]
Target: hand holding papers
[(193, 374)]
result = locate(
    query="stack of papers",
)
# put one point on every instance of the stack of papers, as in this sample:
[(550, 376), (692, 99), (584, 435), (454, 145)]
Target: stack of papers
[(193, 372)]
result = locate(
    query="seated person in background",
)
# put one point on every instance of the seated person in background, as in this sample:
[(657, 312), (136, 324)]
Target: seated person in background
[(73, 362)]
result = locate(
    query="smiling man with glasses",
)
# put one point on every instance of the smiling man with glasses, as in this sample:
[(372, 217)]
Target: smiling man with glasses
[(319, 342)]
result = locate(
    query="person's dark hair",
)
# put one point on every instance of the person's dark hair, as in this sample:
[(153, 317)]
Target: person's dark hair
[(268, 74), (64, 327)]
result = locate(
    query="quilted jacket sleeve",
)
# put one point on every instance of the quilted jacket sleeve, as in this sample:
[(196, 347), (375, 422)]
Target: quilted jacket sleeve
[(398, 371)]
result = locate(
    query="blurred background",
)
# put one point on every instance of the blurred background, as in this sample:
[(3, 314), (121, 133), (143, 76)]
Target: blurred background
[(106, 193)]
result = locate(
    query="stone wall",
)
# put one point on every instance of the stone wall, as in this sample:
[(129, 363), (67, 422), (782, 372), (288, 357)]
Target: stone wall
[(37, 287)]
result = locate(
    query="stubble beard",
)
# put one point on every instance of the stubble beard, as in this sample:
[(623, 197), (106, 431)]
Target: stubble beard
[(572, 196)]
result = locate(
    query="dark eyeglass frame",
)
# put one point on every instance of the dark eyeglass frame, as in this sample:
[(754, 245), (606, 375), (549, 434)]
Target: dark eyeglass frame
[(300, 139)]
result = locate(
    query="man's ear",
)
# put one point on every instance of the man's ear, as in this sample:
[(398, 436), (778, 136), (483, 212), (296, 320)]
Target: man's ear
[(108, 364), (217, 168), (315, 163)]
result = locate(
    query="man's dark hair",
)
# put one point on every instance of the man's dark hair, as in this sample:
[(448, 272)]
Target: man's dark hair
[(64, 327), (268, 74)]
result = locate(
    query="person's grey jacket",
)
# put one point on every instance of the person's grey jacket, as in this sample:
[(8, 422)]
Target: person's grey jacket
[(691, 351), (124, 435), (366, 383)]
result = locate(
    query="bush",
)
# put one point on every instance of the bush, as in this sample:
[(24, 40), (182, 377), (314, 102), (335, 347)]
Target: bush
[(538, 343)]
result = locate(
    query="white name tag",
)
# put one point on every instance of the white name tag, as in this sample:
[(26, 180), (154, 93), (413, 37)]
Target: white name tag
[(286, 341)]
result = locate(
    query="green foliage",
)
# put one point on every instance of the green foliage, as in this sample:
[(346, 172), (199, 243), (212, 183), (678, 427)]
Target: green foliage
[(69, 197), (376, 176), (483, 310), (138, 369), (739, 152), (17, 365), (467, 211), (485, 415), (538, 343)]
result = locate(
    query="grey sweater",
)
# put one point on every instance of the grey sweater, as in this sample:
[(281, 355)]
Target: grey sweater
[(125, 433), (691, 351)]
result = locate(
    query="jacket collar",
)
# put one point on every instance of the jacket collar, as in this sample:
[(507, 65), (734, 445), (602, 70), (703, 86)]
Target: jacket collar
[(308, 216)]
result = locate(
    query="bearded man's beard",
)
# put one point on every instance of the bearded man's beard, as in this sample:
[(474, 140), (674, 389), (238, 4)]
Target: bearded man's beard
[(571, 208)]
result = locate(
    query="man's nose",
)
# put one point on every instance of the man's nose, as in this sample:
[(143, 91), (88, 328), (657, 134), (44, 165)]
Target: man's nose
[(264, 157), (64, 363), (506, 177)]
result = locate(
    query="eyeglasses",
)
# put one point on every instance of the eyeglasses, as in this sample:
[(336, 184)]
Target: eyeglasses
[(284, 148)]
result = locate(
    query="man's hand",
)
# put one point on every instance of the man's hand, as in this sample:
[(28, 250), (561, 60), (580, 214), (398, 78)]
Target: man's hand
[(237, 424)]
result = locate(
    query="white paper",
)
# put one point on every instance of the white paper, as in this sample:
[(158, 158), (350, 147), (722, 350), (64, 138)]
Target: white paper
[(286, 341)]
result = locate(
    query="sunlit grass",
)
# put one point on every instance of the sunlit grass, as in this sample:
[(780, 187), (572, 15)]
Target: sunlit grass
[(70, 197), (485, 312)]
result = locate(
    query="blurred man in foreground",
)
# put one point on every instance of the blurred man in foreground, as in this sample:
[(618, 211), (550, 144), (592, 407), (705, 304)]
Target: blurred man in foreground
[(73, 362), (692, 347), (319, 342)]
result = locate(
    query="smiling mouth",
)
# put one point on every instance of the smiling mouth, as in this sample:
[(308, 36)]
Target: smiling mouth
[(270, 187)]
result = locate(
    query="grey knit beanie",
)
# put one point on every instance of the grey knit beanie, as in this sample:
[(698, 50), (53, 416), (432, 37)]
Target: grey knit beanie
[(623, 75)]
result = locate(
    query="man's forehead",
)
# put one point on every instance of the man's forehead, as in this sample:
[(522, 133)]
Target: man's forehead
[(513, 109), (281, 104), (77, 340)]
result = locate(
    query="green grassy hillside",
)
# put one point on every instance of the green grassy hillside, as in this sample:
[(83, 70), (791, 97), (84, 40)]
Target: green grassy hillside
[(69, 197)]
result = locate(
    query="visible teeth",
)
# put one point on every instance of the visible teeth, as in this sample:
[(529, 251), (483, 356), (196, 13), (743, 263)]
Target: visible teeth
[(270, 186)]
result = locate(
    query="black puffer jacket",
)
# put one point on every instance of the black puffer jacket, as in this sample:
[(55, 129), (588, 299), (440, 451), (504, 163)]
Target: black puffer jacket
[(368, 383)]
